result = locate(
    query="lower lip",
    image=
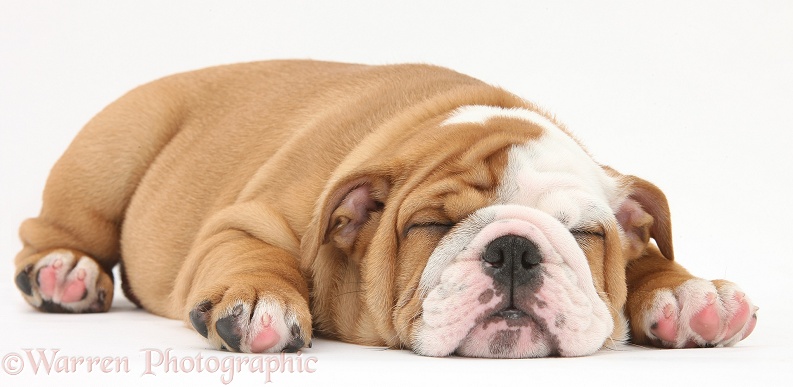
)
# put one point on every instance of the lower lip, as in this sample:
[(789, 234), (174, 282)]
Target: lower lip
[(512, 317), (511, 314)]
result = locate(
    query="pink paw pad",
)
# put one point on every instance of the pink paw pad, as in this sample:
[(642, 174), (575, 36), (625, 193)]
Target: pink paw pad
[(738, 321), (266, 338), (666, 327), (74, 290), (48, 278), (707, 323)]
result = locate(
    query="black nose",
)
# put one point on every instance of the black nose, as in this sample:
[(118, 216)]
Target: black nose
[(512, 260)]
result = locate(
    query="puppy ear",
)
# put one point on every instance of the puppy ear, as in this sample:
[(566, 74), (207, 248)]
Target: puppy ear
[(349, 215), (644, 215), (342, 212)]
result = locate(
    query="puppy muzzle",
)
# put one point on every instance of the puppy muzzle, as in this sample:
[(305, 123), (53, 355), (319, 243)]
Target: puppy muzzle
[(510, 281)]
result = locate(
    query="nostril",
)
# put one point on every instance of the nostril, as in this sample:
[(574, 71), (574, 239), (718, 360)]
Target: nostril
[(530, 259), (495, 257)]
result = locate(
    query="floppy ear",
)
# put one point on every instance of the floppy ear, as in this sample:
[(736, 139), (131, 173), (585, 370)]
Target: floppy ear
[(644, 215), (341, 213), (350, 215)]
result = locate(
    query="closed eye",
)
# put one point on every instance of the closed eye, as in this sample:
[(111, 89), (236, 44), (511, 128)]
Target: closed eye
[(430, 226), (588, 233)]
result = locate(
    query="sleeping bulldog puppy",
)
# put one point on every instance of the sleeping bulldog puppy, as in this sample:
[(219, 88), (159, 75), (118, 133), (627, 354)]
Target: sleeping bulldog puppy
[(407, 206)]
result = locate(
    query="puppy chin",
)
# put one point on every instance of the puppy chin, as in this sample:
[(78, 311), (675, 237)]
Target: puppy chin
[(499, 337)]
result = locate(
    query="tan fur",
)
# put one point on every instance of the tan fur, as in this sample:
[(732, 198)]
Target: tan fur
[(224, 183), (645, 276)]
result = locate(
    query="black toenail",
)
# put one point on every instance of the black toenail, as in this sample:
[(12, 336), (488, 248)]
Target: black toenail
[(294, 345), (23, 280), (199, 317), (654, 326), (228, 329), (297, 342), (98, 306), (51, 307)]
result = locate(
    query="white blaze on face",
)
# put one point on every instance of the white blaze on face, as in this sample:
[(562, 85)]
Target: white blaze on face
[(550, 186)]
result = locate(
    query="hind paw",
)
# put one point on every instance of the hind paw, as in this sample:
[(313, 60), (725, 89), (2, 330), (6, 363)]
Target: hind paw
[(65, 281)]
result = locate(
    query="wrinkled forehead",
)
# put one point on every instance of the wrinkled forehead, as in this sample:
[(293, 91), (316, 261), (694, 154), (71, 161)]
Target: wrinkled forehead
[(551, 172)]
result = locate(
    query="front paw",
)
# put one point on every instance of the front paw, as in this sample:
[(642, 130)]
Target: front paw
[(259, 322), (699, 313)]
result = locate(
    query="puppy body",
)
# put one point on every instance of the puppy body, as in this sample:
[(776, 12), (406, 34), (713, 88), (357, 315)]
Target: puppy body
[(257, 200)]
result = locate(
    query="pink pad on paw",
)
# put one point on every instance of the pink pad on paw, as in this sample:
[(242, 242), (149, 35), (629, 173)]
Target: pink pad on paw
[(666, 327), (738, 321), (48, 278), (75, 291), (267, 338), (706, 322)]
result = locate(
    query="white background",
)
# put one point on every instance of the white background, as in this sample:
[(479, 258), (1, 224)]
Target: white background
[(694, 96)]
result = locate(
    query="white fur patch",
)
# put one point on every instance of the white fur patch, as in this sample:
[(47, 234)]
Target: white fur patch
[(479, 114), (553, 174)]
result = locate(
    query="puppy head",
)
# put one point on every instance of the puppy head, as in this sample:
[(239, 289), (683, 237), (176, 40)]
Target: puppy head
[(488, 233)]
